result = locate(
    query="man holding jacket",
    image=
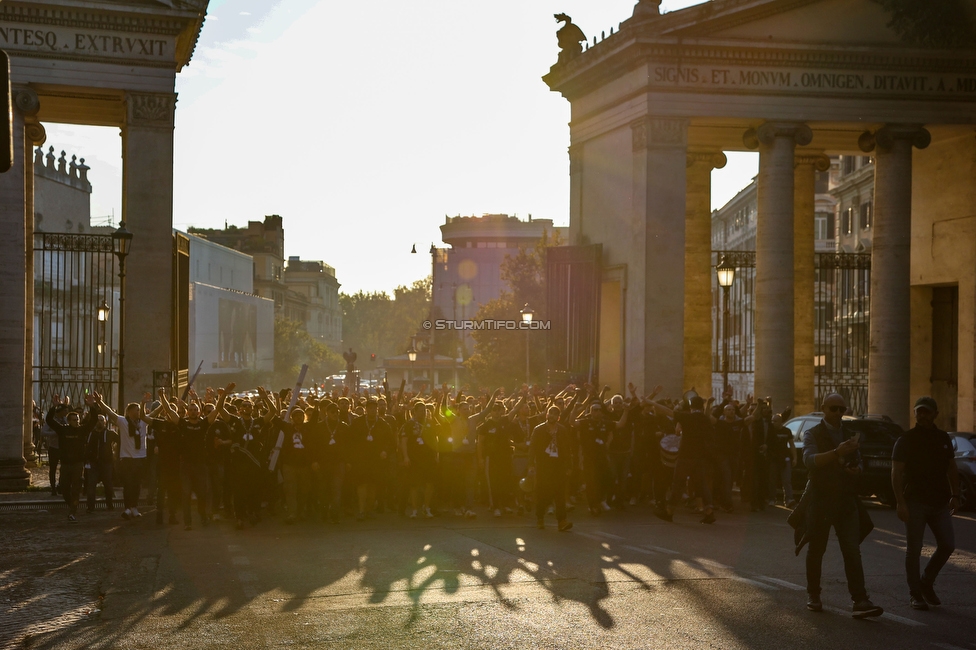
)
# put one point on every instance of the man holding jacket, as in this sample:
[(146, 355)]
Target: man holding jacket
[(831, 456)]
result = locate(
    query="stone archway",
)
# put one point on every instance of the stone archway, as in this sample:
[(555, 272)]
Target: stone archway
[(105, 65)]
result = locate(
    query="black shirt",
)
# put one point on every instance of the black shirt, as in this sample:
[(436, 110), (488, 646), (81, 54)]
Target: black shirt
[(193, 439), (696, 433), (497, 435), (926, 454), (594, 435)]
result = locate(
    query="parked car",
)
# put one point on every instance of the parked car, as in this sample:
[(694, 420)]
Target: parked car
[(965, 449), (878, 435)]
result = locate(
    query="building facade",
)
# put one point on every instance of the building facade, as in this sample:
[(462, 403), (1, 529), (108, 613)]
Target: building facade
[(315, 283)]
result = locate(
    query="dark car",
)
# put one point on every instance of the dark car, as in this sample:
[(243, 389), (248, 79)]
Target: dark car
[(964, 445), (876, 441)]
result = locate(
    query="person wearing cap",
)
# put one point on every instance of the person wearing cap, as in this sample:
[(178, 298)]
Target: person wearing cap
[(831, 456), (926, 484)]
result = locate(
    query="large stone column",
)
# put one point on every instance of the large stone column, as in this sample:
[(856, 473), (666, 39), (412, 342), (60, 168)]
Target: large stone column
[(660, 160), (147, 208), (804, 243), (13, 311), (774, 260), (575, 195), (889, 369), (698, 269), (34, 136)]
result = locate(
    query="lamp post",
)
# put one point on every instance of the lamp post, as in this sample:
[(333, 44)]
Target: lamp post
[(412, 356), (725, 272), (102, 316), (527, 316), (121, 241)]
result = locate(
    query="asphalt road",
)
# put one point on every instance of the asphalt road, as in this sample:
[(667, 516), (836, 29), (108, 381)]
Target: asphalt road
[(626, 580)]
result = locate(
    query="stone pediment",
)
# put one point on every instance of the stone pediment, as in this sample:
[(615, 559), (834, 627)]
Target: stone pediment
[(852, 23)]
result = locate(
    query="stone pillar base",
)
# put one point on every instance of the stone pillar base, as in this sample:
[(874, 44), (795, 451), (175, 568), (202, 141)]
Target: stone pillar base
[(14, 475)]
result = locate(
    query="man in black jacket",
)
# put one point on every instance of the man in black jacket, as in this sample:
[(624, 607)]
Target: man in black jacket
[(99, 459), (926, 483), (831, 456), (72, 440), (551, 452)]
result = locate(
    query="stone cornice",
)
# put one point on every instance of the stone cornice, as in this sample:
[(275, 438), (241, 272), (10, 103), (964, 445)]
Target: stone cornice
[(66, 17)]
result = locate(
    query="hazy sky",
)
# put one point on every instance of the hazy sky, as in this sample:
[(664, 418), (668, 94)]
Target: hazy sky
[(364, 123)]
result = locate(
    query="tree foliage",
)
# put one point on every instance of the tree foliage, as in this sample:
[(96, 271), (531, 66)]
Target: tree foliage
[(293, 347), (933, 23), (380, 324), (499, 355)]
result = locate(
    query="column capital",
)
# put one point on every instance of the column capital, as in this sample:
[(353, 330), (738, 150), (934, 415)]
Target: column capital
[(818, 161), (26, 101), (884, 138), (659, 133), (150, 109), (767, 132), (714, 159)]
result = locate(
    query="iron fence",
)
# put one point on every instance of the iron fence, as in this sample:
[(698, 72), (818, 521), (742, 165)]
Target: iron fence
[(74, 350), (841, 323)]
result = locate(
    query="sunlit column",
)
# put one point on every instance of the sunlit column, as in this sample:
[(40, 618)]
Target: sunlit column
[(889, 370), (804, 243), (774, 259), (660, 166), (147, 208), (698, 268)]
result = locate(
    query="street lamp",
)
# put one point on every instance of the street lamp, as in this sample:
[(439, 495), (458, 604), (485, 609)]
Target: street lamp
[(121, 241), (103, 310), (412, 356), (725, 272), (527, 316)]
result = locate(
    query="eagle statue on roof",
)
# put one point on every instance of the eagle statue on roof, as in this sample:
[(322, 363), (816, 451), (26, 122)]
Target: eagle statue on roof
[(569, 37)]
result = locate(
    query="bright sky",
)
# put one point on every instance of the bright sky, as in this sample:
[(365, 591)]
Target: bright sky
[(364, 123)]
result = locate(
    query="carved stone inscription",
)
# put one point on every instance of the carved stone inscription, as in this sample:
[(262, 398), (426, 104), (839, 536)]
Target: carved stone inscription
[(798, 81), (57, 40)]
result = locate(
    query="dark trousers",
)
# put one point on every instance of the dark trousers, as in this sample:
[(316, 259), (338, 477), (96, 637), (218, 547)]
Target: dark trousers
[(760, 481), (550, 487), (195, 480), (71, 474), (219, 490), (132, 470), (596, 473), (245, 482), (723, 481), (53, 458), (501, 481), (939, 520), (152, 470), (846, 524), (699, 471), (331, 479), (169, 492), (457, 479), (100, 473), (620, 469)]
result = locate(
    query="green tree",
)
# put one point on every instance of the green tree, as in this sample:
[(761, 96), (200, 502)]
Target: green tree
[(380, 324), (933, 23), (499, 355), (294, 347)]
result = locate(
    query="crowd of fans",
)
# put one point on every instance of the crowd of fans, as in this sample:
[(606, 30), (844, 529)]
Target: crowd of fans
[(341, 454)]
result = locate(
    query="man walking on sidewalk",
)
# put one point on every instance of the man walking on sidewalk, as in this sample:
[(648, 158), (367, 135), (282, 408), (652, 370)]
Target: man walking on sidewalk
[(926, 483)]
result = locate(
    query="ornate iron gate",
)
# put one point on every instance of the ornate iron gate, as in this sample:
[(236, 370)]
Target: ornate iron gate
[(75, 346), (573, 277), (842, 333), (841, 325)]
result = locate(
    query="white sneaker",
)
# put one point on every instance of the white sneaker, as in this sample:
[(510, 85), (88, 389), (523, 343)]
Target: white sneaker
[(606, 508), (136, 513), (497, 513), (413, 514), (551, 510), (127, 513), (428, 514)]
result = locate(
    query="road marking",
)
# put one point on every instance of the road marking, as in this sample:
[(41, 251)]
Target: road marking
[(902, 620), (782, 583), (640, 550), (661, 549), (754, 583), (610, 535), (711, 563)]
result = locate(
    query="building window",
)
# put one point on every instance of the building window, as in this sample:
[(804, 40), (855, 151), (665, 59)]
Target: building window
[(847, 163), (866, 216), (820, 226)]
